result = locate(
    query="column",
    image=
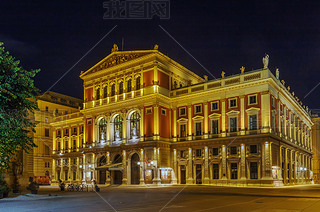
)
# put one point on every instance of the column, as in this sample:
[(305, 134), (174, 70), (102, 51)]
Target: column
[(223, 118), (224, 163), (69, 169), (124, 166), (108, 180), (69, 139), (265, 112), (189, 168), (175, 171), (156, 122), (267, 161), (206, 126), (142, 167), (174, 124), (281, 159), (61, 172), (54, 143), (243, 162), (93, 166), (54, 171), (206, 166), (295, 167), (84, 169), (189, 122), (290, 167), (124, 130), (156, 178), (285, 166), (142, 124), (242, 114), (78, 170)]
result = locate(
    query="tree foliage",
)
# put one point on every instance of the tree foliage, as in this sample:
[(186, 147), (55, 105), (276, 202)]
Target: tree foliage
[(17, 101)]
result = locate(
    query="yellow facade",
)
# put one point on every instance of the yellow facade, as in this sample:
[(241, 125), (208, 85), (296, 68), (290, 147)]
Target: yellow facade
[(148, 119)]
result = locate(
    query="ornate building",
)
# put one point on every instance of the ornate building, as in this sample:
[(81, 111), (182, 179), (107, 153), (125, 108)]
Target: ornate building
[(316, 148), (147, 119), (38, 163)]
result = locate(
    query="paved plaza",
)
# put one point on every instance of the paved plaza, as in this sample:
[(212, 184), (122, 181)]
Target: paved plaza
[(172, 198)]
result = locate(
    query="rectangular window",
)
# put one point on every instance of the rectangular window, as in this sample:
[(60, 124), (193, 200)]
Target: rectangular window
[(198, 109), (47, 109), (233, 103), (182, 111), (215, 127), (183, 132), (252, 99), (74, 130), (164, 112), (74, 143), (198, 153), (234, 171), (149, 110), (215, 171), (233, 150), (253, 170), (46, 132), (215, 151), (233, 124), (182, 154), (253, 149), (67, 132), (66, 145), (59, 146), (253, 122), (214, 106), (198, 129)]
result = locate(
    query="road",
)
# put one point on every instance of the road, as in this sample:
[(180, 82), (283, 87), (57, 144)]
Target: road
[(173, 198)]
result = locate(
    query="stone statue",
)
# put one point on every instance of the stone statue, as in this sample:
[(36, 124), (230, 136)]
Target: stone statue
[(242, 69), (222, 74), (156, 47), (288, 88), (292, 93), (102, 136), (118, 134), (134, 132), (283, 82), (265, 61), (205, 78), (115, 48), (277, 73)]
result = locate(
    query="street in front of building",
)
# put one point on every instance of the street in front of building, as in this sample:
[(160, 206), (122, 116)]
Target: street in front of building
[(170, 198)]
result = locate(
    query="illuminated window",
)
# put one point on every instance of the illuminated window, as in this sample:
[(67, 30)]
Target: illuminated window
[(253, 122), (98, 93), (233, 124), (129, 85), (105, 91), (138, 83), (233, 103), (215, 126), (182, 111), (134, 125), (253, 99), (198, 128), (214, 106), (198, 108), (234, 170), (120, 87), (183, 132), (74, 130), (117, 127), (113, 90), (102, 129)]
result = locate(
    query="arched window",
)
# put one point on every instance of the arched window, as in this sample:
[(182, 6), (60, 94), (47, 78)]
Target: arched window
[(102, 161), (117, 128), (98, 93), (138, 83), (102, 130), (129, 85), (134, 125), (113, 90), (120, 87), (105, 92)]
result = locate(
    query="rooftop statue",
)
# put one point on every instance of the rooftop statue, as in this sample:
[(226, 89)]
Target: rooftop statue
[(115, 48), (222, 74), (265, 61), (242, 69)]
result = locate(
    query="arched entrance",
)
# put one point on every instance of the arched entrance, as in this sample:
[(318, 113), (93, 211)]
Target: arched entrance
[(117, 174), (102, 173), (135, 169)]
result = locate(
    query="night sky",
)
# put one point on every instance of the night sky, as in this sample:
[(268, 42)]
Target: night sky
[(221, 35)]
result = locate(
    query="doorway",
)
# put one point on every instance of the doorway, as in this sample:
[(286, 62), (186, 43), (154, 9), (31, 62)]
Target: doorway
[(135, 169), (198, 174), (117, 174), (182, 174)]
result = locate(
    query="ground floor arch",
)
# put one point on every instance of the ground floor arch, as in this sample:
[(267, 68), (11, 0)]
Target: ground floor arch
[(135, 169)]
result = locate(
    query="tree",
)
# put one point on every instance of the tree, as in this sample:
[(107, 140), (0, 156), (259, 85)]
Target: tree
[(17, 100)]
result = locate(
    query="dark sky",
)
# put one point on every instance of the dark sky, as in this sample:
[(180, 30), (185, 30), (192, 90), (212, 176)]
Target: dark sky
[(221, 35)]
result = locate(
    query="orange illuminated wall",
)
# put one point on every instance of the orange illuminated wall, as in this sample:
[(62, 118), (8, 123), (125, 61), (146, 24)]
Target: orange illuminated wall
[(148, 77), (163, 80), (89, 131), (148, 121), (164, 122), (89, 94)]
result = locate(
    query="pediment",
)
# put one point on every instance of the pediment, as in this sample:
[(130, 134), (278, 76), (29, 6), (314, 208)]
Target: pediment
[(116, 58)]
